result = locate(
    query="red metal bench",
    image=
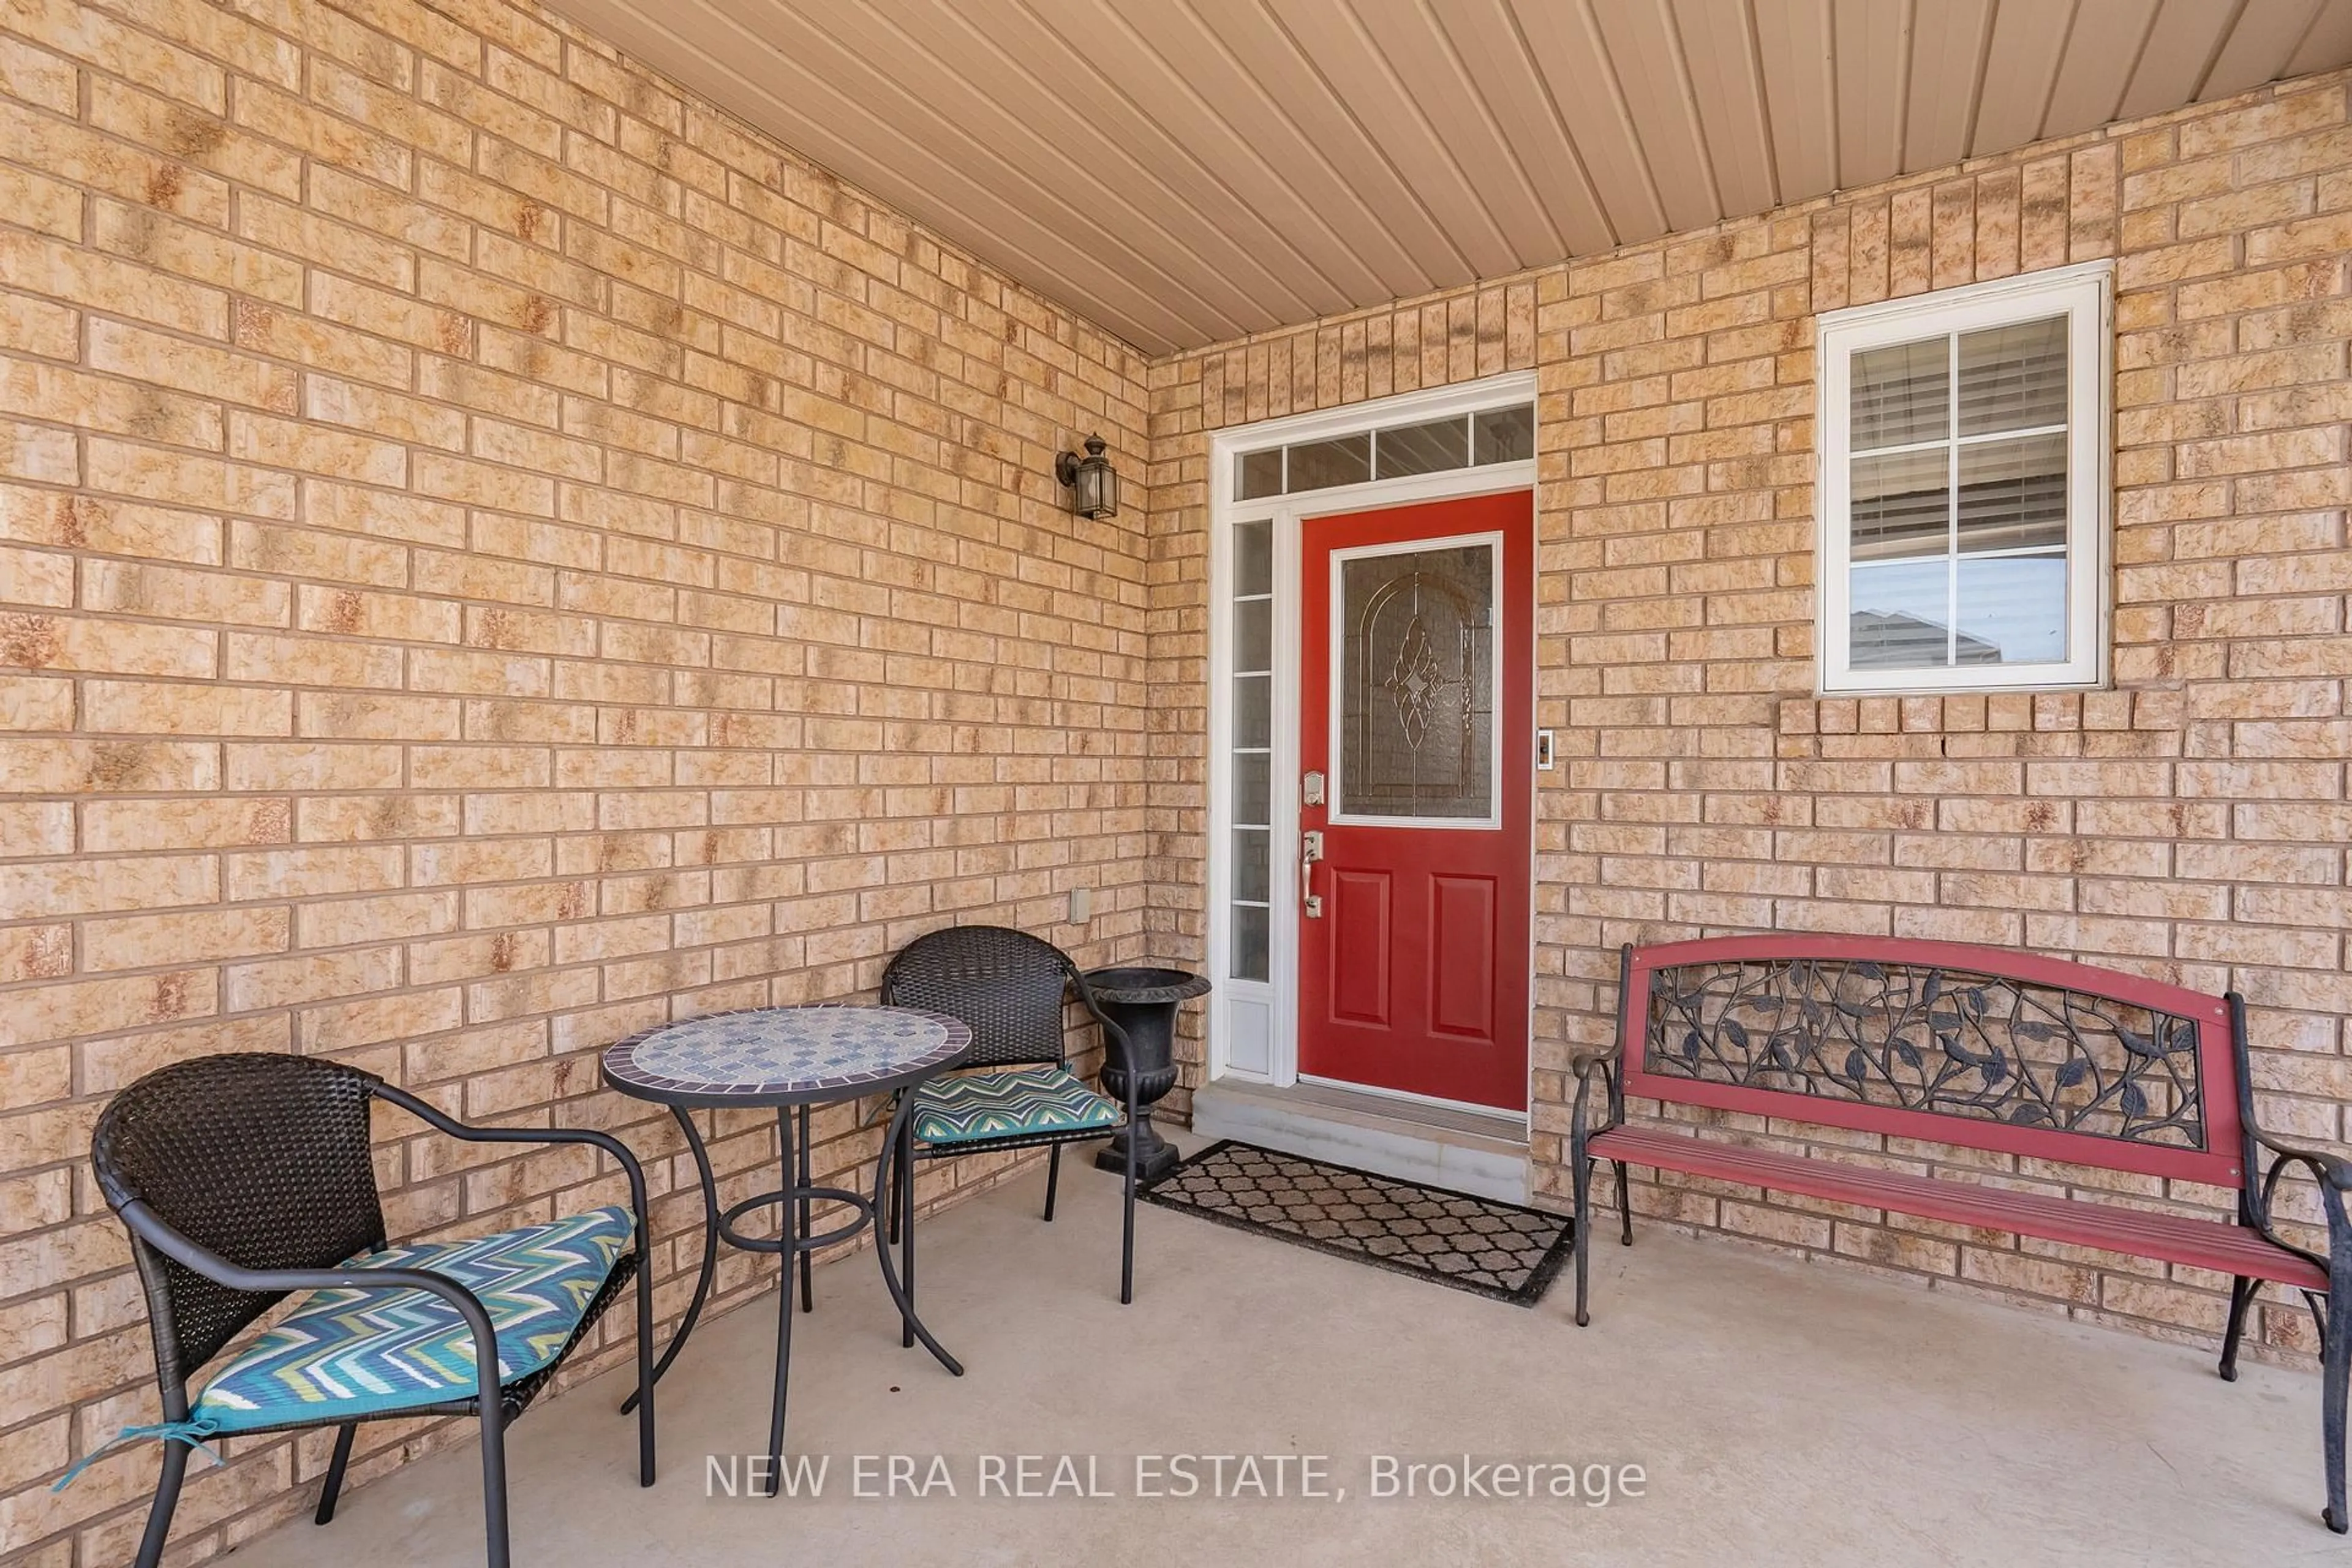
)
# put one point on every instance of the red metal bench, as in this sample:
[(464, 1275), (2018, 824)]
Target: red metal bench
[(1977, 1048)]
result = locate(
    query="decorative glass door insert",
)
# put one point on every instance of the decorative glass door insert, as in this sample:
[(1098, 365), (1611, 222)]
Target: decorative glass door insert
[(1415, 656)]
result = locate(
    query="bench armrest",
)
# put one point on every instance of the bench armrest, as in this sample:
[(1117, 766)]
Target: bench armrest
[(1590, 1063), (2332, 1170), (2334, 1175), (1584, 1059)]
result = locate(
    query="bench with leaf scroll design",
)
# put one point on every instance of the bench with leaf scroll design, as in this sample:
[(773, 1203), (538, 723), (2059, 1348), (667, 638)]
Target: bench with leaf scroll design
[(2009, 1053)]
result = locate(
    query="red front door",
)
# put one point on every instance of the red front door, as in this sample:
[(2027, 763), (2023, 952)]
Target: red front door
[(1414, 705)]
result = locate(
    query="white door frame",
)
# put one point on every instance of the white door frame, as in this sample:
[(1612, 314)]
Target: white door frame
[(1273, 1003)]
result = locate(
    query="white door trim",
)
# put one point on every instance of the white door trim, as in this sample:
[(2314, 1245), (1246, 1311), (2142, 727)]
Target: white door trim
[(1275, 1000)]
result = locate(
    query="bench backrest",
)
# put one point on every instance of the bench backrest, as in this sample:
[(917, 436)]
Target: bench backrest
[(1976, 1047)]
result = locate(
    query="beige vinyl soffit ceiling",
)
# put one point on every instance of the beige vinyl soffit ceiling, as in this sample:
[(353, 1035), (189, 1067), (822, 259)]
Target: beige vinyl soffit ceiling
[(1183, 172)]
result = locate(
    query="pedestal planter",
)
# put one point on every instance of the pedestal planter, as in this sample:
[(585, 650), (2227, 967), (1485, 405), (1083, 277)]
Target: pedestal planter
[(1142, 1000)]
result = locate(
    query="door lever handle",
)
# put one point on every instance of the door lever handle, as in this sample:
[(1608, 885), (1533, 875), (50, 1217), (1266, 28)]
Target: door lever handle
[(1311, 850)]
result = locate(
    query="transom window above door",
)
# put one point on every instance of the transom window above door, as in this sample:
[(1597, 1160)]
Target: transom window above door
[(1395, 452), (1965, 445)]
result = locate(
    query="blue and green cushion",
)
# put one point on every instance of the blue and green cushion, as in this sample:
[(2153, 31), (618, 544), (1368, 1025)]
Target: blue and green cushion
[(1026, 1102), (346, 1353)]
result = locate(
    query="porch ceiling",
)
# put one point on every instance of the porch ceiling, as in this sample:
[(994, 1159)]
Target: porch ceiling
[(1183, 172)]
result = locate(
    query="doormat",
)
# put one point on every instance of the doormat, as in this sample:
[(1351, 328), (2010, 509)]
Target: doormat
[(1490, 1248)]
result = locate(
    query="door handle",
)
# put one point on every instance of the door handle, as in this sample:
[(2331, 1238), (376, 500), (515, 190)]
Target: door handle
[(1311, 850)]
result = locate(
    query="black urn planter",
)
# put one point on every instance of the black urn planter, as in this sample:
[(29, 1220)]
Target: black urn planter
[(1142, 1000)]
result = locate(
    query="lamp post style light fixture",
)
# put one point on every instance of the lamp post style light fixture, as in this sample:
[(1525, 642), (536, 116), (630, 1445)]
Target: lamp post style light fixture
[(1093, 482)]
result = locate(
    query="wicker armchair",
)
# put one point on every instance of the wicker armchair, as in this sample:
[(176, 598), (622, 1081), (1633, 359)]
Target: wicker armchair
[(1009, 986), (245, 1177)]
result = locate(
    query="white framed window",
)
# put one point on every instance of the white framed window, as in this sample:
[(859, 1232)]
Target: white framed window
[(1965, 446)]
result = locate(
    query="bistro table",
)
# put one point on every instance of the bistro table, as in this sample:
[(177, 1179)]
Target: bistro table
[(789, 1058)]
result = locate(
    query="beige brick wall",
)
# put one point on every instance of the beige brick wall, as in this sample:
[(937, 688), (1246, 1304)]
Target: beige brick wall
[(493, 554), (2189, 823)]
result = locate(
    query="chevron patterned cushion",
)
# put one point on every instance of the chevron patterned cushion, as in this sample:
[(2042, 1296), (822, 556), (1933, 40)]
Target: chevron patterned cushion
[(345, 1353), (1023, 1103)]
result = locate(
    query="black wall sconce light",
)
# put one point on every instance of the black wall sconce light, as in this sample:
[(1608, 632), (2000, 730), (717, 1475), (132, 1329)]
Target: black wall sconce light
[(1093, 482)]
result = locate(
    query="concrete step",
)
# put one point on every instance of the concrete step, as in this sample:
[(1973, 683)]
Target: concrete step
[(1440, 1146)]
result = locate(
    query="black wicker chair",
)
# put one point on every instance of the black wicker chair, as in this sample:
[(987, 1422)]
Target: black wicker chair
[(1009, 986), (245, 1177)]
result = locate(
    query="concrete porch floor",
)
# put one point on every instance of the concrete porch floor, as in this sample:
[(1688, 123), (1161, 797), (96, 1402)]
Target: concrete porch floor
[(1783, 1414)]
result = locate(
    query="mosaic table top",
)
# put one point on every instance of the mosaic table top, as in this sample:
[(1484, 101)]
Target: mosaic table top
[(781, 1055)]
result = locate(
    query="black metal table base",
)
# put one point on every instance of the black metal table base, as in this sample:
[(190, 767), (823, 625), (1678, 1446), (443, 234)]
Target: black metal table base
[(794, 1203)]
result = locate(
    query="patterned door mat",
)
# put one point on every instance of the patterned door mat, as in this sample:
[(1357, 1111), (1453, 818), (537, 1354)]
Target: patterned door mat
[(1472, 1244)]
